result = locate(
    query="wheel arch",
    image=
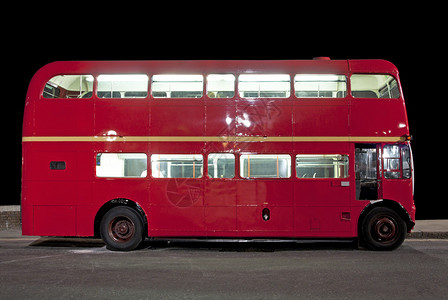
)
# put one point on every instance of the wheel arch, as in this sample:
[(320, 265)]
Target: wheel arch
[(119, 202), (395, 206)]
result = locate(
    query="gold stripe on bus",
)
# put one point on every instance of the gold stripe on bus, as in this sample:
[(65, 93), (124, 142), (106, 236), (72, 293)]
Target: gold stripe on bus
[(58, 139), (213, 139)]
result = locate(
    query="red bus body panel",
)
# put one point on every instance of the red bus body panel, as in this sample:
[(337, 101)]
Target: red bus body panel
[(66, 202)]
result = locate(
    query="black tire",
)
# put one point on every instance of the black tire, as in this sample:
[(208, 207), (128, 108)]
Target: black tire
[(122, 229), (383, 229)]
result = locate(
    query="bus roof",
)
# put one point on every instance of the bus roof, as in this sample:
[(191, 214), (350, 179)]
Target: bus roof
[(207, 66)]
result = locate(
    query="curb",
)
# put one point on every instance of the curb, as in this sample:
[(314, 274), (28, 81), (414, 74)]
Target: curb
[(427, 235), (10, 217)]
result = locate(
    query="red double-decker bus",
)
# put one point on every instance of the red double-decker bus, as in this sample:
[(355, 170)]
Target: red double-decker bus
[(125, 150)]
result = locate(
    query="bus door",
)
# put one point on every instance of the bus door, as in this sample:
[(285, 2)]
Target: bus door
[(322, 192), (368, 177)]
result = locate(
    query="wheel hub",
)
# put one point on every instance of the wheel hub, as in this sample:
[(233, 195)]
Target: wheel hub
[(121, 229), (385, 229)]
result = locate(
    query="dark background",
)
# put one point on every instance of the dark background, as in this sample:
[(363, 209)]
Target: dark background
[(412, 38)]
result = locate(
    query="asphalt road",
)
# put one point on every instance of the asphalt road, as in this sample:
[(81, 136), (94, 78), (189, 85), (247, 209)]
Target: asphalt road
[(65, 268)]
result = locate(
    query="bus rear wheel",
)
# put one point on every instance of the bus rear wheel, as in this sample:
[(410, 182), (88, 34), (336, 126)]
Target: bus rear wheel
[(121, 229), (383, 229)]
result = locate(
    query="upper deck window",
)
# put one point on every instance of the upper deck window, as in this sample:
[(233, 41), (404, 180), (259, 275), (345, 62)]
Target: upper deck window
[(177, 86), (122, 86), (220, 86), (320, 86), (69, 86), (264, 85), (374, 86)]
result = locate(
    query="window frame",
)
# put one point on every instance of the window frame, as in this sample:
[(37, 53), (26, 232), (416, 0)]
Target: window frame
[(169, 171), (387, 172), (345, 76), (239, 91), (346, 167), (235, 167), (394, 78), (98, 160), (55, 85), (97, 90), (179, 76), (207, 91), (249, 177)]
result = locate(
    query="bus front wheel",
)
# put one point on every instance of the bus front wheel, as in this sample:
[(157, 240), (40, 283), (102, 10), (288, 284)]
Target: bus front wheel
[(121, 229), (383, 229)]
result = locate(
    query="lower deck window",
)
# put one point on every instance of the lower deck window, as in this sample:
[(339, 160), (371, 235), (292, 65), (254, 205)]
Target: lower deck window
[(121, 165), (322, 166), (176, 165), (221, 165), (265, 166), (397, 161)]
